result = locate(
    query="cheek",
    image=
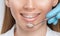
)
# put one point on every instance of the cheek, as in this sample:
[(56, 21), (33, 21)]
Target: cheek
[(45, 5), (17, 3), (14, 11), (15, 6), (45, 9)]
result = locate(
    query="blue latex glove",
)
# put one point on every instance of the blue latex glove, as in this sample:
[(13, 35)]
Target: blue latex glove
[(55, 11)]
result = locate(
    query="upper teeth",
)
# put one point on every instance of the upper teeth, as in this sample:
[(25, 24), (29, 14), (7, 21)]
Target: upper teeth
[(29, 16)]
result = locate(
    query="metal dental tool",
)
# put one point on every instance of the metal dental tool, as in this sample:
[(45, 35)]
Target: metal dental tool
[(30, 25)]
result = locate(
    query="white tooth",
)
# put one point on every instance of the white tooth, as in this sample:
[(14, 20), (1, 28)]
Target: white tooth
[(29, 16)]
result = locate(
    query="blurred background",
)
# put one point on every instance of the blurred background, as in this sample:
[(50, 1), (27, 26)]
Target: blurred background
[(2, 11)]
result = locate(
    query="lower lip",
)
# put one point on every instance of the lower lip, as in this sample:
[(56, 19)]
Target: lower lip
[(30, 20)]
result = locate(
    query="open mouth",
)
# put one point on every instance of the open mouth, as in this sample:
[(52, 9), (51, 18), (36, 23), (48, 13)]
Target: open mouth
[(30, 16)]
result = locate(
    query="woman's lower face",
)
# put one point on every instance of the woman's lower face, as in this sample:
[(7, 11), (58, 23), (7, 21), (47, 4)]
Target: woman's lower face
[(30, 12)]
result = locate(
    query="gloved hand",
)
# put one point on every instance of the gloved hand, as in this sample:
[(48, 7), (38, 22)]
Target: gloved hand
[(55, 11)]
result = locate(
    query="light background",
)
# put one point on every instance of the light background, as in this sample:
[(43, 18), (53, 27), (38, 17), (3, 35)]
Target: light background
[(2, 11)]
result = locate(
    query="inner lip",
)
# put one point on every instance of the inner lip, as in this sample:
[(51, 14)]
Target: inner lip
[(30, 14)]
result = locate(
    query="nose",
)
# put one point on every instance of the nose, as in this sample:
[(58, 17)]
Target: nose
[(29, 5)]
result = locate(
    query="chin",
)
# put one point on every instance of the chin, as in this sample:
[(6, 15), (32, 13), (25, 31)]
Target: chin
[(35, 28)]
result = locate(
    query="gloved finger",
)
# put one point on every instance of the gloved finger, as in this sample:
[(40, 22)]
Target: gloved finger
[(58, 16), (53, 11), (55, 22), (51, 20)]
